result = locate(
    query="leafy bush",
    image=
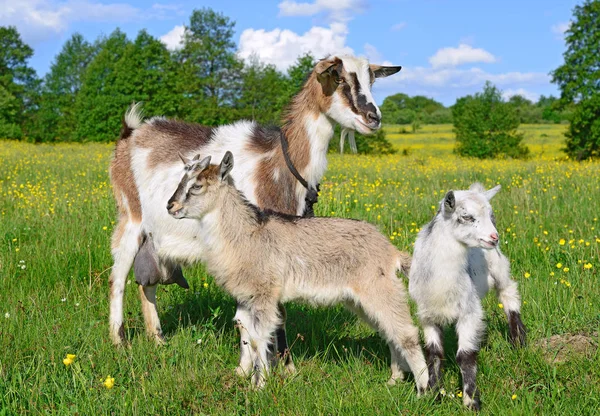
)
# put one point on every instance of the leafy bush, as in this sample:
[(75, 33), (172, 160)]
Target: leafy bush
[(486, 126), (583, 136)]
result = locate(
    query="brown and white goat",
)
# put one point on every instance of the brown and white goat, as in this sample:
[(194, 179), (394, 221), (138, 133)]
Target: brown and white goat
[(146, 168), (264, 259)]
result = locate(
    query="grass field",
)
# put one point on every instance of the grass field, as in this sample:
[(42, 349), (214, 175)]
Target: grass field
[(56, 216)]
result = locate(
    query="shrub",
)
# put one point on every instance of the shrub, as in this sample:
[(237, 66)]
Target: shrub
[(583, 136), (486, 126)]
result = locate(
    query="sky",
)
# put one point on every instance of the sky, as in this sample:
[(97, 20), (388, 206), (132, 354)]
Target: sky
[(447, 48)]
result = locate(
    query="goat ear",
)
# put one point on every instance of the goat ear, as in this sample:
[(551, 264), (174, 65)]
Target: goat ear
[(384, 71), (489, 194), (449, 203), (330, 67), (226, 165), (184, 159), (477, 187), (203, 164)]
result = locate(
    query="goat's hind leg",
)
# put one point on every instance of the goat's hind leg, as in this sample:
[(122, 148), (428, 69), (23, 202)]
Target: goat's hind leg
[(126, 241), (385, 308), (265, 319), (243, 321)]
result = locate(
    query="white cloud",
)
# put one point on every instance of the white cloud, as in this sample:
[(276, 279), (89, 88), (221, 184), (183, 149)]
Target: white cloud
[(464, 54), (559, 29), (173, 38), (372, 54), (282, 47), (531, 96), (455, 82), (36, 20), (337, 9), (398, 26)]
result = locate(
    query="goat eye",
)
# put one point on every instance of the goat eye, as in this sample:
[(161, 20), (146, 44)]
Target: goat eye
[(196, 186), (468, 218), (340, 81)]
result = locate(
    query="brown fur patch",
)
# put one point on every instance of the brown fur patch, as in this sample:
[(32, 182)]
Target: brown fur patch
[(123, 182), (168, 138), (276, 195)]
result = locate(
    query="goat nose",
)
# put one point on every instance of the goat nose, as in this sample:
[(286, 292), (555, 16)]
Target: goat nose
[(373, 117), (494, 236), (170, 205)]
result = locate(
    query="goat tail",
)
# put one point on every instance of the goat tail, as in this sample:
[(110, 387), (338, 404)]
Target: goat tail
[(132, 120), (403, 262)]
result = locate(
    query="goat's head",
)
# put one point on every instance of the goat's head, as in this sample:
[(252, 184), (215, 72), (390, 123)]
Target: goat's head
[(470, 216), (197, 191), (347, 80)]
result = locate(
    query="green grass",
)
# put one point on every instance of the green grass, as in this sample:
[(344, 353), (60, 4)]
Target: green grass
[(56, 216)]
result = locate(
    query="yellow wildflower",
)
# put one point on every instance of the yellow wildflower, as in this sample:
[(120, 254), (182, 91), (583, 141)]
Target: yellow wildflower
[(559, 265), (109, 383), (562, 242), (587, 266), (69, 359), (501, 306), (459, 394), (527, 275), (513, 397), (566, 269), (205, 285)]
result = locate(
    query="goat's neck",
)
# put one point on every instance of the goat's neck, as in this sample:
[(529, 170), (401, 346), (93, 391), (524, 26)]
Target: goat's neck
[(308, 131), (233, 219), (447, 248)]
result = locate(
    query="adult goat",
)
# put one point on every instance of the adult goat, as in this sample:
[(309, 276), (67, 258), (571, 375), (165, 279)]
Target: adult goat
[(147, 167)]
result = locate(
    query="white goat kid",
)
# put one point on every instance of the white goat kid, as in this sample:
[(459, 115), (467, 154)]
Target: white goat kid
[(456, 261), (264, 259), (146, 168)]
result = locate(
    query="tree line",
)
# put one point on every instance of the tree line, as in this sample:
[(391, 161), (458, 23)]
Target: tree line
[(90, 84)]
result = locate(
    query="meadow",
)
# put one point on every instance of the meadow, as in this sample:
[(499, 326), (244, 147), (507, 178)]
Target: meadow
[(57, 214)]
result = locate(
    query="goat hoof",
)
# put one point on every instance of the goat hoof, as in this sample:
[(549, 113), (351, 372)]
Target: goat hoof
[(518, 332), (241, 372), (290, 369), (472, 403)]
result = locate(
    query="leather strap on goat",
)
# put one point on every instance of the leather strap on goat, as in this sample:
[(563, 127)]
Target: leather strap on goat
[(312, 193)]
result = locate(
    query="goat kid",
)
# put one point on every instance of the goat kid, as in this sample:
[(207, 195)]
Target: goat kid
[(456, 261), (146, 168), (264, 259)]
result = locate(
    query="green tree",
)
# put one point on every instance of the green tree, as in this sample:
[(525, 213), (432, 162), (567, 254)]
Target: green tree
[(583, 136), (263, 94), (298, 74), (147, 73), (55, 119), (486, 126), (579, 80), (209, 78), (99, 105), (18, 84)]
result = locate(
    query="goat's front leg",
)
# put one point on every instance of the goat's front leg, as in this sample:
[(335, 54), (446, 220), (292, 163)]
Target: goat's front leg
[(508, 294), (434, 351), (283, 351), (469, 329), (265, 319), (243, 322)]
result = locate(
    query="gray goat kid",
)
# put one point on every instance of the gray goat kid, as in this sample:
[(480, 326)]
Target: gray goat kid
[(263, 259), (456, 261)]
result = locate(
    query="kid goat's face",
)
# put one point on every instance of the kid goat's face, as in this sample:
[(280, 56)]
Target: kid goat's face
[(195, 194), (471, 216)]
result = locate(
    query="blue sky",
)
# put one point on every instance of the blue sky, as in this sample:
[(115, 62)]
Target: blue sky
[(447, 48)]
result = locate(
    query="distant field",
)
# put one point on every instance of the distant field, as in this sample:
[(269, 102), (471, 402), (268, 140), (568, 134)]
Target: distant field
[(56, 216), (544, 140)]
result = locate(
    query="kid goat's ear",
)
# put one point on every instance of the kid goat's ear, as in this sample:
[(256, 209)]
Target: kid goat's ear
[(226, 165), (490, 193), (449, 203), (184, 159), (203, 164)]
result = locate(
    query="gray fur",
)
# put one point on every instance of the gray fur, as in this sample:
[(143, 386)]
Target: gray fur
[(264, 259)]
